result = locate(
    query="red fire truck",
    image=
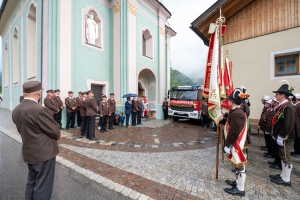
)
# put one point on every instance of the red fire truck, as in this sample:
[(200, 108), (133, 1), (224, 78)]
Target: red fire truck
[(185, 102)]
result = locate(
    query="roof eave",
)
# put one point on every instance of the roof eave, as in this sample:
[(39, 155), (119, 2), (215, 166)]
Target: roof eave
[(203, 38)]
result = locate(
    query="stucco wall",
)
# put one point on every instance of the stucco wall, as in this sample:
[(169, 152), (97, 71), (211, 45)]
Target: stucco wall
[(253, 67)]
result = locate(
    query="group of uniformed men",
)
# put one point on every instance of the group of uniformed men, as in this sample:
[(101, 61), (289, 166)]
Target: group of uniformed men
[(86, 108), (280, 122)]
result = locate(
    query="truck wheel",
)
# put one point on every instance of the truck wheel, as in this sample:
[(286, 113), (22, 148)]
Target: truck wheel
[(176, 119)]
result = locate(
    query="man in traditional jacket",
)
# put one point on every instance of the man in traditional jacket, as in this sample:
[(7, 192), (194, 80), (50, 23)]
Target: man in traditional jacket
[(83, 113), (296, 153), (236, 135), (276, 164), (60, 105), (204, 113), (78, 116), (139, 112), (91, 111), (134, 111), (261, 126), (165, 108), (51, 104), (39, 133), (112, 109), (71, 104), (284, 129), (104, 113)]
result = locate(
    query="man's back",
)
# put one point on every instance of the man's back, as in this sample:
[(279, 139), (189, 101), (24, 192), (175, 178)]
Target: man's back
[(38, 130)]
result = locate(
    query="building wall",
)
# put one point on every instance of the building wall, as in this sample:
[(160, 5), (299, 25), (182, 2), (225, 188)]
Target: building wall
[(253, 64), (12, 92)]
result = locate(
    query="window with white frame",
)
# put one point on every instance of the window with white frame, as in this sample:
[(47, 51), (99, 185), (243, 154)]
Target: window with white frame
[(286, 65), (15, 57), (147, 42)]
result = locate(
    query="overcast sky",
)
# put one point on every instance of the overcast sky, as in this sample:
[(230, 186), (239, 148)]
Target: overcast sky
[(188, 52)]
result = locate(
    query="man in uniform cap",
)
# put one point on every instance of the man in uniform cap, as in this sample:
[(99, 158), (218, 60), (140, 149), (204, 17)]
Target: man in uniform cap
[(165, 108), (296, 153), (91, 111), (104, 113), (60, 105), (83, 113), (51, 104), (134, 111), (285, 128), (236, 135), (39, 133), (139, 111), (71, 104), (260, 123), (112, 110), (78, 109)]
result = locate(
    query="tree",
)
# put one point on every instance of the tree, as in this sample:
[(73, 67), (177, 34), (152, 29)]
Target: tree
[(173, 81)]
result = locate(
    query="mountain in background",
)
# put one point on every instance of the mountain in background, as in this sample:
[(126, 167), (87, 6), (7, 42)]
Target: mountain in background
[(178, 78)]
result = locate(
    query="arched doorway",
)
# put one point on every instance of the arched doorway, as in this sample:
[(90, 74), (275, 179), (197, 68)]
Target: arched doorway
[(147, 87)]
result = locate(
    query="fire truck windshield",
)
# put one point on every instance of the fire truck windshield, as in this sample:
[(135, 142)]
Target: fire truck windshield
[(183, 95)]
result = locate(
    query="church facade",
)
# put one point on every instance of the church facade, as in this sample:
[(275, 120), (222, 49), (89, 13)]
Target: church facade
[(120, 46)]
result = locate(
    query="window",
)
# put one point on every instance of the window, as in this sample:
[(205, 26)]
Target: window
[(6, 72), (31, 43), (15, 57), (287, 65), (147, 48)]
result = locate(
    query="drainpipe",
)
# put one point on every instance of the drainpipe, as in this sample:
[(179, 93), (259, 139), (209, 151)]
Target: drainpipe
[(42, 32)]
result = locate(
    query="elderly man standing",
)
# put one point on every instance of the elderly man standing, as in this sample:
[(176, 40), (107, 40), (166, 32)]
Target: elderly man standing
[(39, 133), (71, 104), (285, 127), (91, 111), (60, 105), (51, 104)]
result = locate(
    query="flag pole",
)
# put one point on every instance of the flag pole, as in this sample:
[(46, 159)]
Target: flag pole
[(218, 133)]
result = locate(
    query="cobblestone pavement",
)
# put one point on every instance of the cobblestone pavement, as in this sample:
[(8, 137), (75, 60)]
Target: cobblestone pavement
[(179, 173)]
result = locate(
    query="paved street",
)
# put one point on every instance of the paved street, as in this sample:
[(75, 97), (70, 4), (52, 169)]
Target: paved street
[(68, 184), (170, 160)]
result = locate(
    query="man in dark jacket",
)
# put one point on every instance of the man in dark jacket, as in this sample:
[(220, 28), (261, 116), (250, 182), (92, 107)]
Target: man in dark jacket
[(134, 111), (165, 108), (83, 113), (128, 110), (51, 104), (91, 111), (296, 153), (285, 128), (104, 113), (60, 105), (112, 109), (39, 132), (71, 104)]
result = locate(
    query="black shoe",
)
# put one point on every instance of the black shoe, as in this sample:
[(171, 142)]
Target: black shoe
[(272, 162), (61, 128), (294, 153), (231, 183), (234, 170), (106, 130), (111, 128), (275, 167), (264, 149), (93, 139), (133, 125), (67, 128), (235, 191), (267, 156), (102, 131), (279, 181), (275, 176), (72, 127)]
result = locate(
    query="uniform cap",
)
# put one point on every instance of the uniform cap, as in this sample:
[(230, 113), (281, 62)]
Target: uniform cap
[(80, 92), (49, 91), (104, 96), (57, 90), (112, 93), (89, 91), (265, 97), (70, 92), (32, 86)]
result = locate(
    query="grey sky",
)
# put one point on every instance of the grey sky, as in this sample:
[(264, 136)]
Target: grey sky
[(188, 53)]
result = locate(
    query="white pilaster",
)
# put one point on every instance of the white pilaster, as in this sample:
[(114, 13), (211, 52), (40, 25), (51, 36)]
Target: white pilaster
[(65, 57), (162, 62), (117, 51), (132, 76)]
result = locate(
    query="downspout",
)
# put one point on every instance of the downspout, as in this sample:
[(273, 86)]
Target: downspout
[(42, 45)]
